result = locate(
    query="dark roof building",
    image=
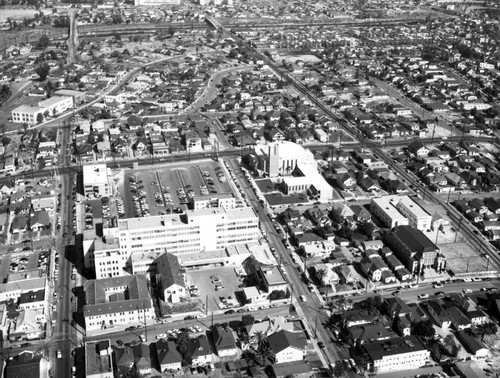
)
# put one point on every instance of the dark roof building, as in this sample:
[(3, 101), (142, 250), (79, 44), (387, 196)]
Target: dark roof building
[(170, 276), (414, 249), (24, 365), (98, 360)]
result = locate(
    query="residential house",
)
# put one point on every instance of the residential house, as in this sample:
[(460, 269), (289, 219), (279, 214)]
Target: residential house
[(417, 148), (124, 359), (169, 359), (201, 352), (472, 345), (224, 341), (142, 359), (170, 278), (288, 346)]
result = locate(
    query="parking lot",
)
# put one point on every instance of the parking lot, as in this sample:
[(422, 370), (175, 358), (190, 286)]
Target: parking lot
[(165, 190), (207, 279)]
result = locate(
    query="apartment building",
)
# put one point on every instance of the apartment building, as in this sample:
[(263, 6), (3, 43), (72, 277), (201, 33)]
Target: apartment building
[(399, 353), (117, 300)]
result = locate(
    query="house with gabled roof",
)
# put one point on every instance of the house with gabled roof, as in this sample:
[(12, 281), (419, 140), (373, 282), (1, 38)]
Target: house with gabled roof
[(142, 358), (124, 359), (288, 346), (201, 353), (170, 278), (224, 341), (169, 359), (417, 148)]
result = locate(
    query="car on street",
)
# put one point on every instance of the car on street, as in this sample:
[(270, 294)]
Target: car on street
[(161, 336), (467, 291), (59, 354), (437, 285), (303, 298), (395, 293), (229, 312), (439, 293), (321, 344), (423, 296)]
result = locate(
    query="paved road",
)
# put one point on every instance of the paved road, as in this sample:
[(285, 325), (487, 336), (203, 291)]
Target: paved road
[(309, 309), (204, 323)]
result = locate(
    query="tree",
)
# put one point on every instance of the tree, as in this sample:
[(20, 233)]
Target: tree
[(320, 274), (367, 228), (183, 346), (247, 320), (42, 70), (450, 346), (39, 118), (265, 354), (43, 42), (424, 329), (171, 31), (257, 339), (277, 294)]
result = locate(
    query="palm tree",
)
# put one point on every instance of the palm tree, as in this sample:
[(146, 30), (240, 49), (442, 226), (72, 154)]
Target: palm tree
[(320, 274), (258, 339), (265, 354)]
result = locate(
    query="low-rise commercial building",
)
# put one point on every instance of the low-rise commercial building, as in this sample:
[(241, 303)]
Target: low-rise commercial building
[(96, 181)]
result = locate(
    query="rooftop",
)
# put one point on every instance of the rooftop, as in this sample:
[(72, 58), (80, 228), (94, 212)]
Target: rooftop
[(95, 174), (414, 239), (117, 294), (98, 357), (397, 345)]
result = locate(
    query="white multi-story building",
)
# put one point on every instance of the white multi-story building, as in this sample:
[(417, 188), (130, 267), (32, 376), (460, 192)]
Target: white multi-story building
[(193, 231), (225, 200), (26, 114), (384, 209), (399, 353), (56, 104), (280, 159), (138, 242), (96, 181), (118, 300), (417, 216), (397, 210)]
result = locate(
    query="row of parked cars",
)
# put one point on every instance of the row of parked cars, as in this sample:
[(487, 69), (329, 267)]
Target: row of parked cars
[(176, 332)]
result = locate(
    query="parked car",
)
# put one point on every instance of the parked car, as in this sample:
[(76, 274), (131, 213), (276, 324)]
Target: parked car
[(423, 296)]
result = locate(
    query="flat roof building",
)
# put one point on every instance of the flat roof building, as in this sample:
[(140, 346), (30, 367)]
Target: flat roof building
[(27, 114), (398, 353), (96, 182), (191, 232)]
